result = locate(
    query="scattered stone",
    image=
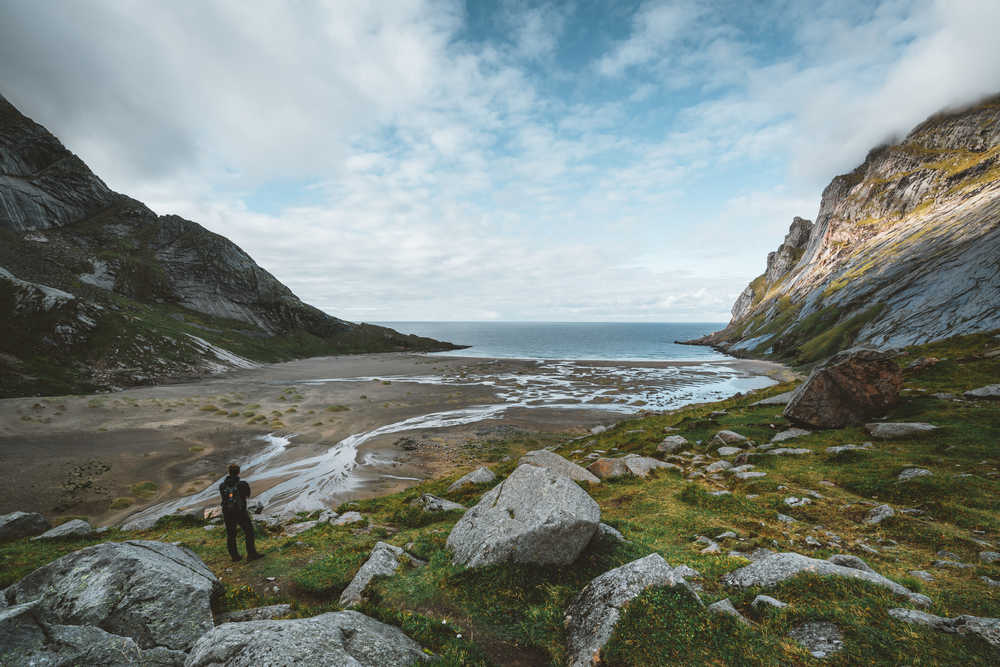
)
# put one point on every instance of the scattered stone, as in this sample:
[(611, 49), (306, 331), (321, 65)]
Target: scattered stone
[(546, 459), (790, 433), (267, 613), (430, 503), (154, 593), (837, 449), (672, 444), (726, 608), (987, 629), (795, 501), (711, 547), (718, 466), (989, 556), (726, 437), (912, 473), (778, 399), (728, 451), (73, 528), (779, 567), (942, 553), (921, 574), (989, 582), (604, 531), (750, 474), (854, 385), (609, 468), (741, 468), (336, 638), (786, 451), (382, 562), (592, 615), (812, 541), (762, 601), (348, 518), (641, 466), (784, 518), (991, 391), (879, 514), (820, 638), (720, 492), (22, 524), (728, 535), (294, 529), (534, 516), (849, 560), (481, 475), (716, 414), (952, 564), (897, 430)]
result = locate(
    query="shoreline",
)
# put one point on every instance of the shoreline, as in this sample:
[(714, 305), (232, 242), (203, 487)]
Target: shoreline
[(107, 456)]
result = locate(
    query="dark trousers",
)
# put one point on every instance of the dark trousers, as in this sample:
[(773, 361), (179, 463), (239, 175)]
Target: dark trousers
[(233, 518)]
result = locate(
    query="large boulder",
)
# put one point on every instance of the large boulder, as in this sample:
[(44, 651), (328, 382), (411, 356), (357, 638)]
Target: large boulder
[(382, 562), (852, 387), (27, 640), (543, 458), (22, 524), (592, 615), (156, 594), (336, 638), (533, 516), (775, 568)]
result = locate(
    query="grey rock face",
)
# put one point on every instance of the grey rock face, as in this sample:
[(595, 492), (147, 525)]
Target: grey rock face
[(546, 459), (820, 638), (337, 638), (22, 524), (779, 567), (533, 516), (256, 614), (985, 628), (879, 514), (672, 444), (790, 433), (893, 430), (592, 615), (431, 503), (989, 391), (157, 594), (25, 640), (480, 475), (72, 528), (382, 562), (912, 473)]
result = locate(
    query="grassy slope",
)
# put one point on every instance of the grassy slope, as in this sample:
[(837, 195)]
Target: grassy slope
[(514, 614)]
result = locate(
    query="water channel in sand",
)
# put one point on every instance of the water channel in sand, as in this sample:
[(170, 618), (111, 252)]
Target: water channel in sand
[(309, 483)]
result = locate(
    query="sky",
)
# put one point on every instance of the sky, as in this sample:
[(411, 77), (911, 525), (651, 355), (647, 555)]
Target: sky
[(440, 160)]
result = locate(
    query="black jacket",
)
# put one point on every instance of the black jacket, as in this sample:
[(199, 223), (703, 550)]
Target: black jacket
[(243, 487)]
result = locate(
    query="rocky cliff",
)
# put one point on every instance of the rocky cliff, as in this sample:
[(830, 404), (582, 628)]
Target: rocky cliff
[(97, 291), (905, 250)]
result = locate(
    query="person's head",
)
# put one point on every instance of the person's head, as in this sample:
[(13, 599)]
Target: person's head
[(234, 470)]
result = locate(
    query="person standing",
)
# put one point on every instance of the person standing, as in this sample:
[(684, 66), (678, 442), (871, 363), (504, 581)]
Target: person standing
[(235, 493)]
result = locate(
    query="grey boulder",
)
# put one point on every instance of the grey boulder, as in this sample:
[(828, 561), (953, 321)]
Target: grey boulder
[(22, 524), (775, 568), (592, 615), (728, 438), (73, 528), (338, 638), (533, 516), (157, 594), (726, 608), (987, 629), (893, 430), (790, 433), (879, 514), (382, 562), (641, 466), (672, 444), (543, 458), (429, 503), (912, 473), (989, 391), (481, 475)]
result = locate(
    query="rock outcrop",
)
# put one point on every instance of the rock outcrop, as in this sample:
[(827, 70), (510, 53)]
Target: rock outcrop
[(336, 638), (902, 252), (852, 387), (533, 516), (157, 595), (74, 252)]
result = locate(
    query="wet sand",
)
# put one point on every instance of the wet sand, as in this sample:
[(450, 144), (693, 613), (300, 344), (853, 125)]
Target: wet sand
[(108, 455)]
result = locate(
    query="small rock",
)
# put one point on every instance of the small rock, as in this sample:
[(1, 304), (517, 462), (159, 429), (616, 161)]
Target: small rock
[(820, 638), (795, 501), (989, 556), (879, 514), (726, 608), (672, 444), (383, 561), (431, 503), (718, 466), (991, 391), (989, 582), (987, 629), (912, 473), (298, 528), (763, 601), (728, 451), (729, 438), (256, 614), (728, 535), (348, 518), (608, 532), (812, 541), (837, 449), (604, 468), (789, 451), (921, 574), (481, 475), (784, 518), (848, 560), (952, 564), (896, 430), (74, 528), (720, 492), (790, 433), (750, 474)]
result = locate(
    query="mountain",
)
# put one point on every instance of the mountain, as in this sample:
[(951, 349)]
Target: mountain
[(98, 292), (905, 250)]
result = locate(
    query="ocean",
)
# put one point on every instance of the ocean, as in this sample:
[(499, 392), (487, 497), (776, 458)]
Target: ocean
[(595, 341)]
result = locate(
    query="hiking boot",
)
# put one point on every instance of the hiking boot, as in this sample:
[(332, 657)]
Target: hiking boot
[(255, 556)]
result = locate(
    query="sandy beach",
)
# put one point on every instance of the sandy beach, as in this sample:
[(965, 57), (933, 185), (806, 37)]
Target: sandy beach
[(317, 432)]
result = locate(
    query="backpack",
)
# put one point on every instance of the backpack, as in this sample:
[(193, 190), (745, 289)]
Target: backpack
[(231, 497)]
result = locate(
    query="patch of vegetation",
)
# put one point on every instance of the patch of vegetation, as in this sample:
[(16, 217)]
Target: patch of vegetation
[(144, 490)]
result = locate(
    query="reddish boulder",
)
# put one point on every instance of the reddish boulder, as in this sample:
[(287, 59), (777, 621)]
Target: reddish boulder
[(851, 388)]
